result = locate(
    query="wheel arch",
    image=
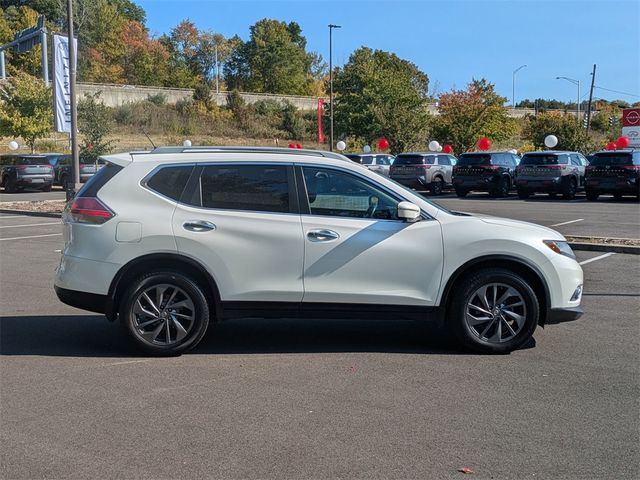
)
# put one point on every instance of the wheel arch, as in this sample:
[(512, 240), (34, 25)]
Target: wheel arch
[(526, 269), (156, 261)]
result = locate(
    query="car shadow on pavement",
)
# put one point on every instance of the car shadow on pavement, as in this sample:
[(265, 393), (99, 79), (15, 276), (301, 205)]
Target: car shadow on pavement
[(93, 336)]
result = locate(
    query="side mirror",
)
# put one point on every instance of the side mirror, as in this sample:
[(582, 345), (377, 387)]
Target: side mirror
[(408, 211)]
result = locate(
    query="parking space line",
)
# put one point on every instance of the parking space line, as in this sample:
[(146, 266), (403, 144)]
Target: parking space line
[(600, 257), (30, 225), (31, 236), (2, 217), (567, 223)]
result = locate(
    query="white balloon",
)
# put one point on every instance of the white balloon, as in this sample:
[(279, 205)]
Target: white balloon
[(341, 145), (433, 145), (439, 148), (366, 149), (551, 141), (186, 143), (13, 145)]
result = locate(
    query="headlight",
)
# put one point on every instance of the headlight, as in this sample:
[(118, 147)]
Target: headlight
[(560, 247)]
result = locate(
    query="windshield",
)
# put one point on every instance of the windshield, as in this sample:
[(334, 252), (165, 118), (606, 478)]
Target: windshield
[(414, 160), (601, 159), (474, 159), (539, 159)]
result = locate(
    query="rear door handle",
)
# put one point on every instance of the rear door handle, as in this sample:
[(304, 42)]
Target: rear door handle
[(198, 226), (322, 235)]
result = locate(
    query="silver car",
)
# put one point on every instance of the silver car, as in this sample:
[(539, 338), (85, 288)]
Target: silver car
[(551, 172), (376, 162), (418, 170)]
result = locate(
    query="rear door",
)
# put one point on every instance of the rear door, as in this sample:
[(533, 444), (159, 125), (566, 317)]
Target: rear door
[(242, 222), (357, 250)]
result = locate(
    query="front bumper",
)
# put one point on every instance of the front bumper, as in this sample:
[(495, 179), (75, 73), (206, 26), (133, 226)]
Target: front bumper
[(561, 315)]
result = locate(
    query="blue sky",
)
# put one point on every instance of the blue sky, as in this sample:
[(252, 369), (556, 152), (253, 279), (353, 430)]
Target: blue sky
[(453, 41)]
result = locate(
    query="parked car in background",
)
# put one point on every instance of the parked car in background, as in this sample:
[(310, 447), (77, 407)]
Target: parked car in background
[(492, 172), (167, 242), (421, 170), (616, 172), (551, 172), (376, 162), (63, 169), (18, 172)]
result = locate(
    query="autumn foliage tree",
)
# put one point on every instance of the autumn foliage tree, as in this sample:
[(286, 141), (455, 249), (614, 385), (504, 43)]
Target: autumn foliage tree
[(468, 115)]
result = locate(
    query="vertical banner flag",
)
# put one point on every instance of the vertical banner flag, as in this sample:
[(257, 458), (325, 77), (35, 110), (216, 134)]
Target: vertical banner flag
[(320, 132), (61, 84)]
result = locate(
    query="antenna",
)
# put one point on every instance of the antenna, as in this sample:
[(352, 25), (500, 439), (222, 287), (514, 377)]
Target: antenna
[(148, 137)]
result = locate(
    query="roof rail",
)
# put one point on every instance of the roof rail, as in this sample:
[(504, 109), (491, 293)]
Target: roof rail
[(217, 149)]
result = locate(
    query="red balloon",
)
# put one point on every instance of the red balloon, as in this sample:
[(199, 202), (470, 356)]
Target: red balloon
[(292, 145), (611, 146), (383, 143), (622, 142), (484, 143), (298, 145), (447, 148)]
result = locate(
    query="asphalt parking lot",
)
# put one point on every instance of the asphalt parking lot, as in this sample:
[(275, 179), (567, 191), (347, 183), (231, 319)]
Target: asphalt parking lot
[(312, 399)]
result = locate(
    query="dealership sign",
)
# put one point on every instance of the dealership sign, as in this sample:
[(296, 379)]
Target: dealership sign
[(631, 125)]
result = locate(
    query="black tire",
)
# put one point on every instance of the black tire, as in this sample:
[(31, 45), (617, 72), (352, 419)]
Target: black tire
[(460, 192), (569, 191), (466, 293), (617, 195), (10, 185), (187, 288), (47, 188), (523, 194), (436, 186), (552, 194), (64, 181), (591, 195)]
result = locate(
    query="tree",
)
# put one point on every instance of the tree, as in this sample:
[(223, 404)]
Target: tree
[(25, 108), (468, 115), (95, 124), (571, 135), (274, 60), (379, 94)]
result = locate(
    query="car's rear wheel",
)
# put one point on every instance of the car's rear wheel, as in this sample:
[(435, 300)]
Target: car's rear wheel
[(523, 194), (436, 186), (165, 312), (10, 185), (46, 188), (66, 185), (570, 188), (617, 196), (494, 311), (592, 195), (461, 192)]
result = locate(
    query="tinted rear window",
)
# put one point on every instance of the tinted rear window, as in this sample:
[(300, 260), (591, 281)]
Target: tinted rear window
[(475, 159), (601, 159), (538, 159), (170, 181), (261, 188), (99, 180), (414, 160), (355, 158), (32, 161)]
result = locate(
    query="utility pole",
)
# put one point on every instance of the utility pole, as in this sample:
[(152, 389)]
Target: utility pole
[(593, 81), (217, 72), (45, 59), (331, 27), (74, 111)]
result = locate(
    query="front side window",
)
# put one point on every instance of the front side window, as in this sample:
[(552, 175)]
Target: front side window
[(340, 194), (260, 188)]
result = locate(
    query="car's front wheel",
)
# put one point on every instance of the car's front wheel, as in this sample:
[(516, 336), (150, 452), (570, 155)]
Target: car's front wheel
[(165, 312), (436, 186), (494, 311), (461, 192)]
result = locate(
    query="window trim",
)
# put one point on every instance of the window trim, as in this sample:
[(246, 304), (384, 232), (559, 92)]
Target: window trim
[(305, 208)]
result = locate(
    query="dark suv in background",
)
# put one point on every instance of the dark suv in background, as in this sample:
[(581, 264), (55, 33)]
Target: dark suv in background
[(18, 172), (492, 172), (551, 172), (63, 169), (423, 170), (616, 172)]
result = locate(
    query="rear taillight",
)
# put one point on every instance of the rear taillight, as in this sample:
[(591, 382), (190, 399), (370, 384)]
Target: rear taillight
[(632, 167), (490, 167), (22, 167), (88, 210), (425, 166), (555, 167)]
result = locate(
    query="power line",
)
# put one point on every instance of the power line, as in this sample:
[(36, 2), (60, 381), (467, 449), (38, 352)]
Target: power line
[(617, 91)]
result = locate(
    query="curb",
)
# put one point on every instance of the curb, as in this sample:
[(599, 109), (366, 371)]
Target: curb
[(31, 214), (604, 247)]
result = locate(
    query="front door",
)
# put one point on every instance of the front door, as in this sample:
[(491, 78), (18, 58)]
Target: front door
[(242, 224), (357, 250)]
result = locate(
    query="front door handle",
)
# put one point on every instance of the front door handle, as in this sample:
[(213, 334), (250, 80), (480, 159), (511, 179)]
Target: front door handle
[(198, 226), (322, 235)]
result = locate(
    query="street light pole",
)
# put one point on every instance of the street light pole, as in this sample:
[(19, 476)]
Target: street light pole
[(331, 27), (72, 100), (575, 82), (513, 85)]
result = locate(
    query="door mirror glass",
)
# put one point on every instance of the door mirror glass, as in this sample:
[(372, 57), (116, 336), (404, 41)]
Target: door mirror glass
[(408, 211)]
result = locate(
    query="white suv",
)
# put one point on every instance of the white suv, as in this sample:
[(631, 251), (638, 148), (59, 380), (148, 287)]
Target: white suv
[(170, 240)]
